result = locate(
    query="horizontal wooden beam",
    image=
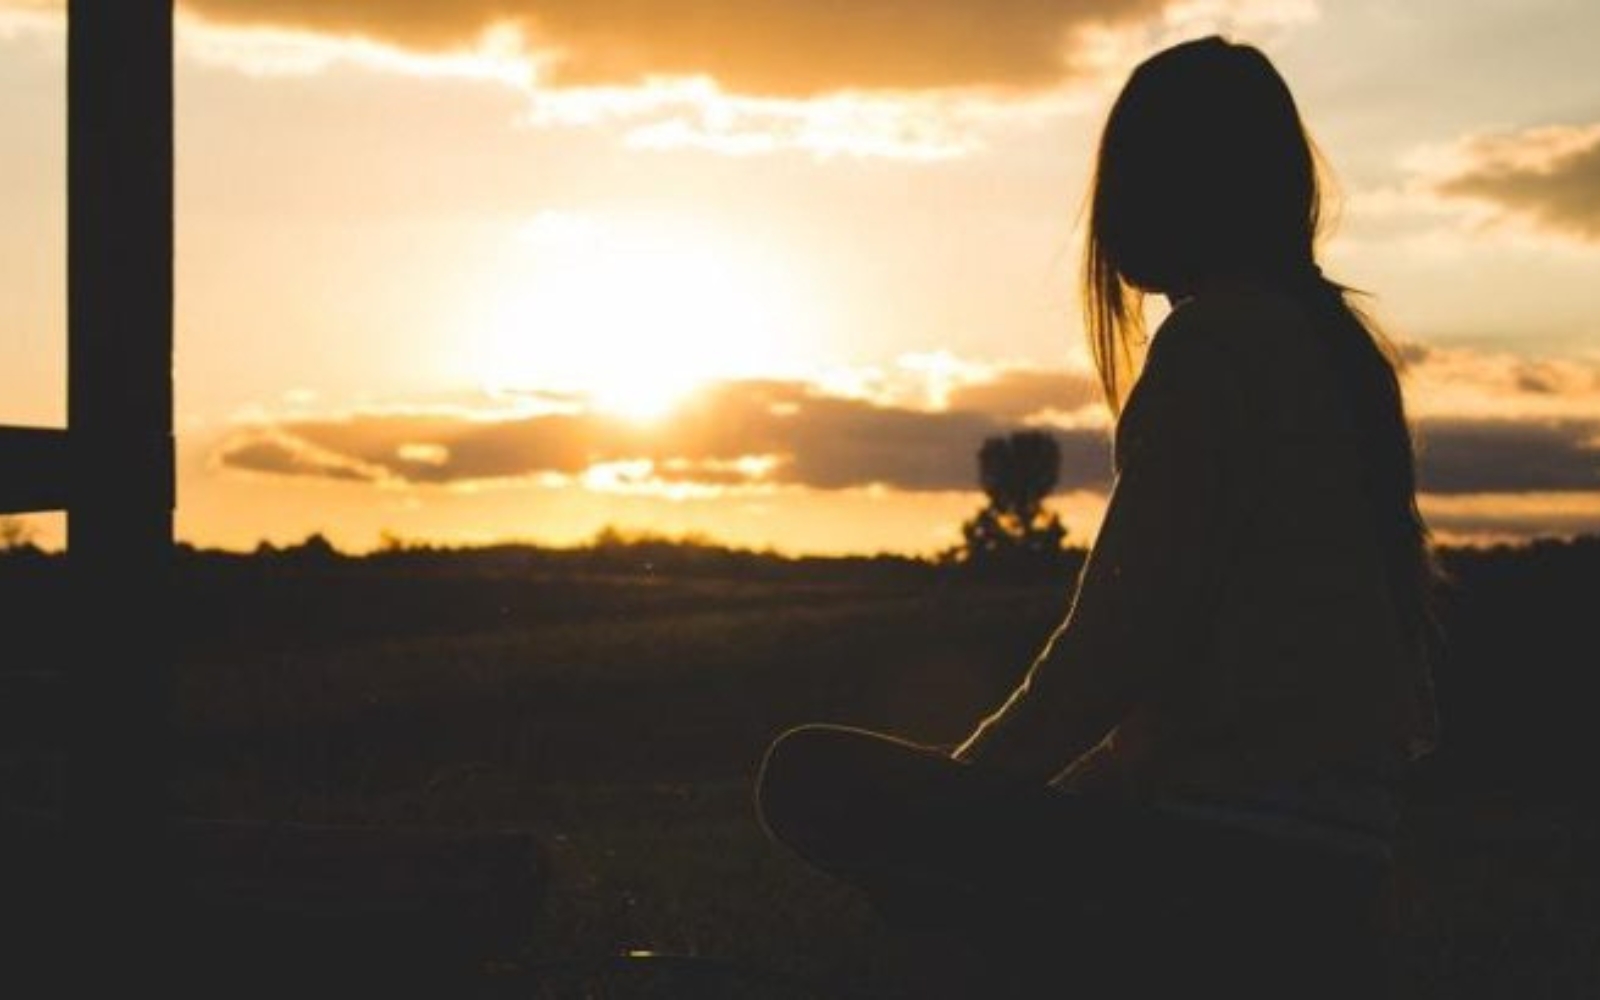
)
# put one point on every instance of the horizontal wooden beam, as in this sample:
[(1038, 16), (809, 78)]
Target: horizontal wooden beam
[(34, 470)]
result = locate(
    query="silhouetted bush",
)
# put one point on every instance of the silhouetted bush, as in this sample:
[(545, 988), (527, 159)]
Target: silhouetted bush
[(1014, 535)]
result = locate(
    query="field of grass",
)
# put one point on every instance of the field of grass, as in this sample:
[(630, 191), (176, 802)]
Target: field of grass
[(622, 717), (625, 725)]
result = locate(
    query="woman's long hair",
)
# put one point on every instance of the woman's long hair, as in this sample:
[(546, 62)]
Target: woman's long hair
[(1205, 171)]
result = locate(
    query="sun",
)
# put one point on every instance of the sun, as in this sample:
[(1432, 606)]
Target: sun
[(633, 317)]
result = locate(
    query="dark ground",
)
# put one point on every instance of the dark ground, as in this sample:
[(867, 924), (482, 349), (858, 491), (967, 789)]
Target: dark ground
[(618, 704)]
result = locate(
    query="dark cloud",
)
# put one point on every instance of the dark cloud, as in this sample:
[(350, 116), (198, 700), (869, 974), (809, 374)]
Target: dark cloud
[(805, 437), (779, 47), (1022, 393), (1538, 380), (274, 455), (1508, 456), (1412, 352), (1548, 175), (473, 449), (811, 439)]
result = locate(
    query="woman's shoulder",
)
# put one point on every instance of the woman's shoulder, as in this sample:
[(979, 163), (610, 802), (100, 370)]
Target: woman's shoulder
[(1242, 361), (1235, 317), (1242, 336), (1191, 383)]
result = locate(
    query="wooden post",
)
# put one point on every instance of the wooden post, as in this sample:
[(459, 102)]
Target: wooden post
[(119, 402)]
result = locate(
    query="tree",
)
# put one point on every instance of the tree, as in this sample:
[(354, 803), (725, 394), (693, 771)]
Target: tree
[(1014, 531), (314, 550)]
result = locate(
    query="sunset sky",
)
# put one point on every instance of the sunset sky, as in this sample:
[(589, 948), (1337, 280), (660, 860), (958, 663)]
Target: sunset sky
[(770, 270)]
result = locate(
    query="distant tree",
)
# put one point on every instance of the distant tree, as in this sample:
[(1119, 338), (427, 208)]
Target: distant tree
[(391, 542), (314, 550), (611, 537), (1014, 531)]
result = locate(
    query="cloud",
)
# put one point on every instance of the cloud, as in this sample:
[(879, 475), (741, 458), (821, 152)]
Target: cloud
[(651, 112), (1453, 381), (280, 452), (698, 114), (1548, 177), (1466, 455), (1497, 422), (1509, 446), (911, 80), (769, 47), (1487, 423), (1026, 395), (751, 434), (916, 80)]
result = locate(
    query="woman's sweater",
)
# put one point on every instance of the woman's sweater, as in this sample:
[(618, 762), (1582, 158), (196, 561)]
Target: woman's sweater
[(1233, 637)]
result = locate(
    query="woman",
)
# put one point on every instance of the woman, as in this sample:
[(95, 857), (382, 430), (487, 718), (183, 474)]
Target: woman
[(1242, 676)]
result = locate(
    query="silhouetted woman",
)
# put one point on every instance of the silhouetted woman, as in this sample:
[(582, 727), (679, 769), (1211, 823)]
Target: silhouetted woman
[(1241, 679)]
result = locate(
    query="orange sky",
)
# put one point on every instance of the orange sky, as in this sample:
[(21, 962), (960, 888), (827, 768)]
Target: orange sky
[(469, 271)]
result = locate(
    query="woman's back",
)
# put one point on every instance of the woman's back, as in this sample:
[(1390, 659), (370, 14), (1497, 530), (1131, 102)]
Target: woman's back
[(1297, 685)]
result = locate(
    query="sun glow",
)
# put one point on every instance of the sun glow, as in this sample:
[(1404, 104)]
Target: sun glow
[(635, 317)]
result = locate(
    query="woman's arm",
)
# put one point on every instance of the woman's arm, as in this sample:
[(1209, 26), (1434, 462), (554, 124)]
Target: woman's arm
[(1145, 595)]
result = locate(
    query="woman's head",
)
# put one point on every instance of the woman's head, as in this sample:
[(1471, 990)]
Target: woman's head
[(1204, 172)]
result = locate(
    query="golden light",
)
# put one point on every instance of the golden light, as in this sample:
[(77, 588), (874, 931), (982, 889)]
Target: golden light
[(636, 315)]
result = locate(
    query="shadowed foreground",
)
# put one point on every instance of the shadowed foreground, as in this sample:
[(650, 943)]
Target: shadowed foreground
[(620, 717)]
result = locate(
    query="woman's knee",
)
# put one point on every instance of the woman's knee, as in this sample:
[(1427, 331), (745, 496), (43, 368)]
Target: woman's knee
[(795, 770), (815, 778)]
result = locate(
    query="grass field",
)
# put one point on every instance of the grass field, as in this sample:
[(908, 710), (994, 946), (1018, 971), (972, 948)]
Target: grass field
[(622, 717)]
